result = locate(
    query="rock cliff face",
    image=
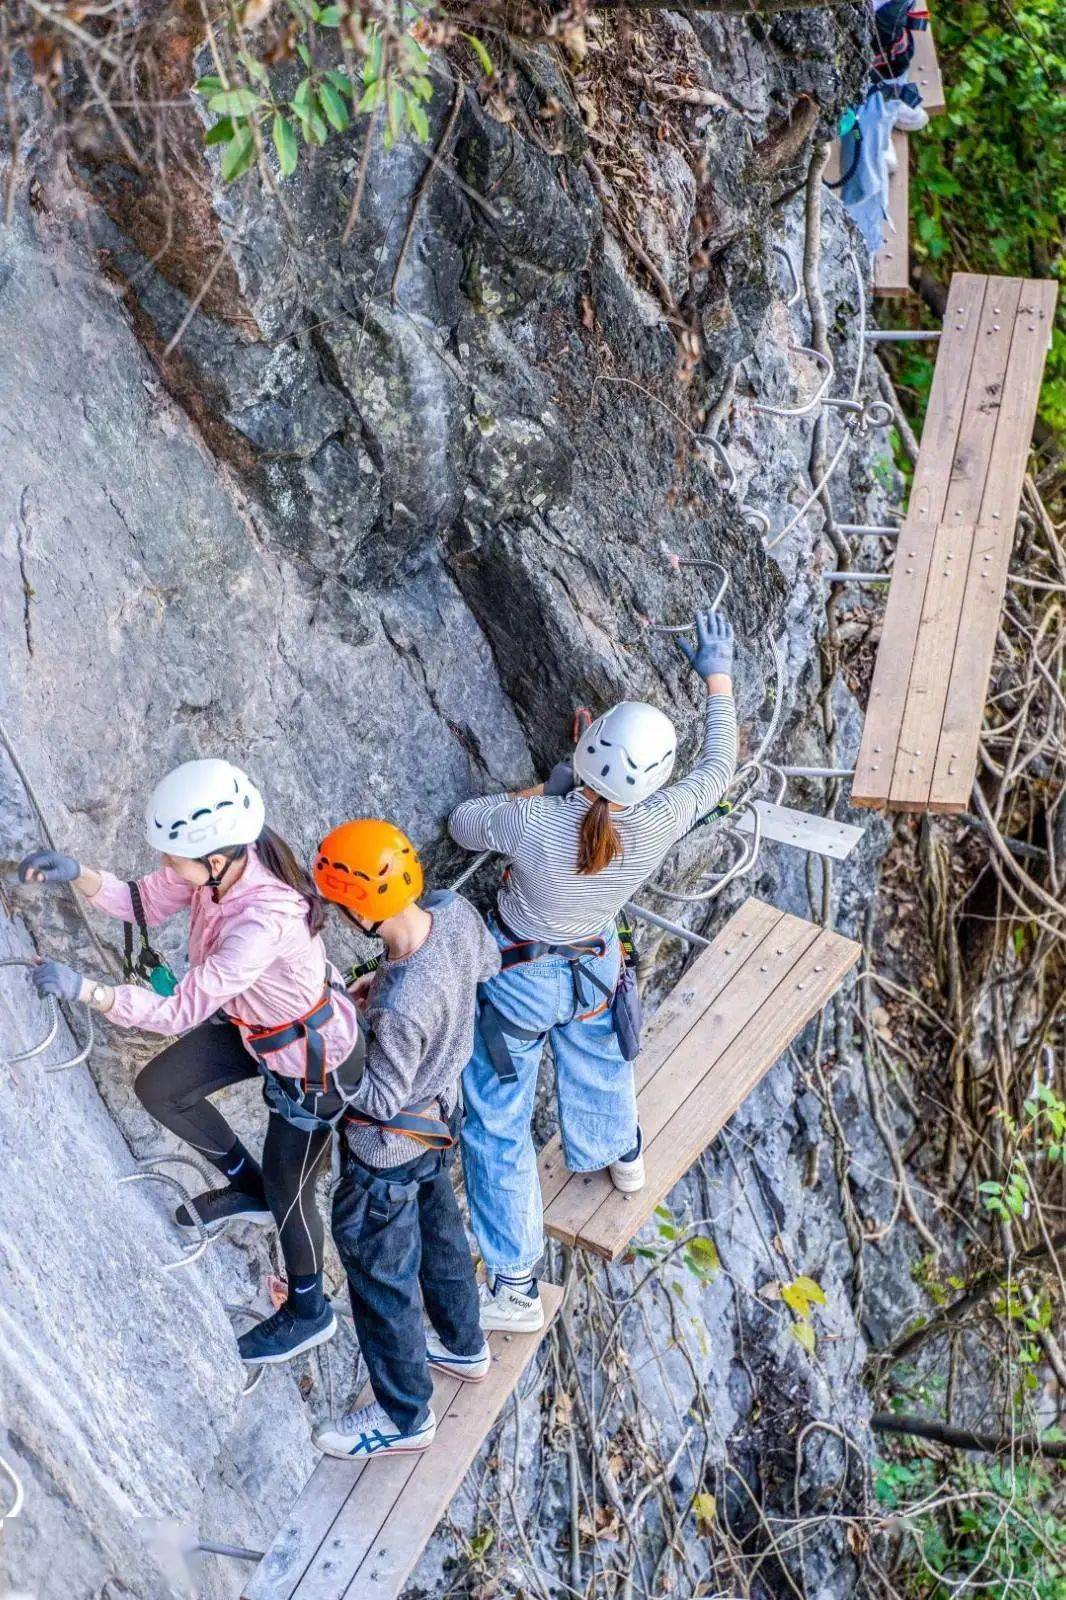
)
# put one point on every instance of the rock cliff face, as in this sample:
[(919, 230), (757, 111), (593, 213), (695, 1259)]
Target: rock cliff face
[(383, 515)]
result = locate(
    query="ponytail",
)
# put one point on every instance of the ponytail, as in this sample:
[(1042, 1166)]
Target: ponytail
[(281, 863), (600, 842)]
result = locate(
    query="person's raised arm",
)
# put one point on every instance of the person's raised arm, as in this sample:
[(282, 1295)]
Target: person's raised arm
[(700, 790)]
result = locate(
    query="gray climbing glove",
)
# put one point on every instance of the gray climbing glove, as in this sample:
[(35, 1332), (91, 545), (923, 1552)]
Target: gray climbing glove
[(713, 650), (58, 980), (48, 866), (561, 779)]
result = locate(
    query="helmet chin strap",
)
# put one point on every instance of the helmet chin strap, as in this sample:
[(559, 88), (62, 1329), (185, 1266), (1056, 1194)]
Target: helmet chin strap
[(214, 879)]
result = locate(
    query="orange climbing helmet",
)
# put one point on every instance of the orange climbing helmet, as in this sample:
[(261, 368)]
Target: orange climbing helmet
[(369, 867)]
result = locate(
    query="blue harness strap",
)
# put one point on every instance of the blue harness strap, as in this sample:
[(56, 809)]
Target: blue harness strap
[(265, 1041), (417, 1122)]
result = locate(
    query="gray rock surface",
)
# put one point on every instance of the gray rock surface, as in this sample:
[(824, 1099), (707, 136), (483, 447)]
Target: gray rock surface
[(374, 533)]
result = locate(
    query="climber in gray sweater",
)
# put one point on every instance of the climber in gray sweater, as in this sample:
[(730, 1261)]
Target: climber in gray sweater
[(396, 1221)]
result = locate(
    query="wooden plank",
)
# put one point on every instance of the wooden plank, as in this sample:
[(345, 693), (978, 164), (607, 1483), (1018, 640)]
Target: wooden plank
[(340, 1519), (925, 73), (784, 1012), (956, 760), (440, 1470), (938, 631), (575, 1213), (892, 263), (571, 1215), (919, 733), (888, 691), (678, 1014), (296, 1542)]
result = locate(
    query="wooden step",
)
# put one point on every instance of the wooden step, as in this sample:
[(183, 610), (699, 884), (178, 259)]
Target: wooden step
[(923, 722), (737, 1008), (925, 73), (892, 263), (356, 1531)]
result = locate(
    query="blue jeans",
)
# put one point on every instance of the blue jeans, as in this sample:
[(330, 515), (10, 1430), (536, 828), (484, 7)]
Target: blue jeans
[(594, 1093), (398, 1232)]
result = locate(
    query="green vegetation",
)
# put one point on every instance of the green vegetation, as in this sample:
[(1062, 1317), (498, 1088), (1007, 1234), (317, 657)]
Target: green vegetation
[(989, 184)]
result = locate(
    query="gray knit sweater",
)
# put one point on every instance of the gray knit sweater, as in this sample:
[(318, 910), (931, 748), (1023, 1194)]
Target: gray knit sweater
[(420, 1014)]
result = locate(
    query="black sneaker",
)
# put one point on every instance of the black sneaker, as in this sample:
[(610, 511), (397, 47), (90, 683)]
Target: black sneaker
[(225, 1205), (285, 1335)]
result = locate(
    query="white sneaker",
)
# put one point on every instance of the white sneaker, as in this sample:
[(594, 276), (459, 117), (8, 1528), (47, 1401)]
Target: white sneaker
[(629, 1176), (909, 119), (511, 1310), (370, 1431), (472, 1369)]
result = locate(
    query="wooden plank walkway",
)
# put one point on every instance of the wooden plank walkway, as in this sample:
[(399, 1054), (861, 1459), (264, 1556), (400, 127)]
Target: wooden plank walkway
[(925, 73), (892, 264), (920, 739), (356, 1531), (735, 1011)]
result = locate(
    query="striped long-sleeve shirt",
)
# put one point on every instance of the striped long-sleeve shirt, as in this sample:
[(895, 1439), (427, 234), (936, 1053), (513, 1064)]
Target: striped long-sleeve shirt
[(544, 897)]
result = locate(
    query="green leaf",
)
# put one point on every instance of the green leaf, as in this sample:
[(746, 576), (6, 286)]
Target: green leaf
[(304, 54), (330, 16), (209, 85), (423, 89), (341, 81), (812, 1290), (221, 131), (372, 97), (234, 102), (334, 107), (416, 116), (239, 154), (705, 1252), (803, 1333), (484, 59), (285, 144)]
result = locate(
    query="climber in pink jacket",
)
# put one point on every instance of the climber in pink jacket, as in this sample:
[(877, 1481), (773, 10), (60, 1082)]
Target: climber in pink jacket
[(256, 1001)]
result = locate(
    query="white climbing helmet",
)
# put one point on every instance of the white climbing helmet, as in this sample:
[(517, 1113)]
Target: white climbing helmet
[(627, 753), (202, 807)]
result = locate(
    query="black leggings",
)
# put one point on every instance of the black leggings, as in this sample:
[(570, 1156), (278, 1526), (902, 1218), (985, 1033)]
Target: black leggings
[(174, 1087)]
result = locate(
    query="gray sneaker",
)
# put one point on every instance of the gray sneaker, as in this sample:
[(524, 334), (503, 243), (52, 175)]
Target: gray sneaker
[(511, 1310)]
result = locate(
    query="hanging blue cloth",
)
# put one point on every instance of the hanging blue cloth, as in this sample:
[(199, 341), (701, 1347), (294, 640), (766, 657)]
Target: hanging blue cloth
[(864, 157)]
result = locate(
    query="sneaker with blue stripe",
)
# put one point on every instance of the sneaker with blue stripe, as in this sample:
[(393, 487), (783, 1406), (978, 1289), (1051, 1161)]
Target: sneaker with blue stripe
[(369, 1432), (471, 1369)]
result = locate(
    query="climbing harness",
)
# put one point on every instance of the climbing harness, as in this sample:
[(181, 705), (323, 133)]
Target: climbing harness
[(53, 1028), (623, 999), (265, 1042), (148, 965)]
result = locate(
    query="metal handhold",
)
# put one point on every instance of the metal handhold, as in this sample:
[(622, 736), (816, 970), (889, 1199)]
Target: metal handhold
[(53, 1028), (147, 1175), (16, 1483), (687, 627), (253, 1316)]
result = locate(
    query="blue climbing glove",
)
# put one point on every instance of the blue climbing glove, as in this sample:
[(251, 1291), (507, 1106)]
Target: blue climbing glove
[(561, 779), (713, 650), (48, 866), (57, 979)]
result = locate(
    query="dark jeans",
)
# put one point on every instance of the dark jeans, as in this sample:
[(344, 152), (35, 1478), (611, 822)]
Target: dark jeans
[(398, 1230), (174, 1088)]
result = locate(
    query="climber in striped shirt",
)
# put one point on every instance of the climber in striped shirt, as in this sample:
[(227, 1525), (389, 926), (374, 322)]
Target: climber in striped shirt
[(577, 848)]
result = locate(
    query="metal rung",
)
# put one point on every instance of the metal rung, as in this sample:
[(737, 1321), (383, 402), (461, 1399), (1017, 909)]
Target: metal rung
[(822, 836), (901, 335), (668, 927), (816, 772), (866, 527), (856, 577)]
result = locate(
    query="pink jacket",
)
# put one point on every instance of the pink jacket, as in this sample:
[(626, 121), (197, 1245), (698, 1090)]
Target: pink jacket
[(251, 954)]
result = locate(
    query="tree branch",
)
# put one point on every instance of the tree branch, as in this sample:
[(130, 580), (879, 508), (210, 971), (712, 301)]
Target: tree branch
[(983, 1284), (1022, 1444)]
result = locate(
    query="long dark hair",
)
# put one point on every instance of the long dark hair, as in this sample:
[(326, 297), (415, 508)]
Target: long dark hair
[(600, 842), (280, 861)]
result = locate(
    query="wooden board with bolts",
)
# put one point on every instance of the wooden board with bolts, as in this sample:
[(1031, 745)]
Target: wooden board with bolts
[(735, 1011), (923, 721)]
